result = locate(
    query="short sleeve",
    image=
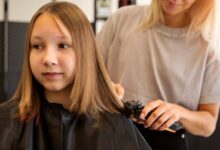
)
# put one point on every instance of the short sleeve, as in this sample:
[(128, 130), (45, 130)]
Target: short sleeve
[(210, 92)]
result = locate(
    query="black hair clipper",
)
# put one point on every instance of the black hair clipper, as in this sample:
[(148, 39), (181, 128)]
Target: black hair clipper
[(134, 108)]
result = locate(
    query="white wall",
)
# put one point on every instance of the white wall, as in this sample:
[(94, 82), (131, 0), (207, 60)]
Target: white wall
[(23, 10), (143, 2), (87, 7), (1, 10)]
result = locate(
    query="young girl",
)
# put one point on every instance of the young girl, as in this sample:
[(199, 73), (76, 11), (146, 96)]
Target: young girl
[(64, 99), (166, 56)]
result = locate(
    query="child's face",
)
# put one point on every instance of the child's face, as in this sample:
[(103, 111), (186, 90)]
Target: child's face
[(52, 58)]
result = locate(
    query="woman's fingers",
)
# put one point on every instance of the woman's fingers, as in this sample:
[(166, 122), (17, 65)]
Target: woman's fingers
[(149, 108), (159, 115)]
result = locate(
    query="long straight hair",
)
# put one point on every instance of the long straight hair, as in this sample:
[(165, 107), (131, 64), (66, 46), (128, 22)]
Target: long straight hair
[(204, 19), (92, 91)]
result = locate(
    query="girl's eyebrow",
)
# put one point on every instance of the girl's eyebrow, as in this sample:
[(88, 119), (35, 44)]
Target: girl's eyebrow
[(36, 37), (61, 37)]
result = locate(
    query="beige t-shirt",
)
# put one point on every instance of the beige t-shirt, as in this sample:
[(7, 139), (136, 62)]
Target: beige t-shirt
[(159, 63)]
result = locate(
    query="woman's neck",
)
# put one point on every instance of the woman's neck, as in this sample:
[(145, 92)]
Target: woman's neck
[(177, 21)]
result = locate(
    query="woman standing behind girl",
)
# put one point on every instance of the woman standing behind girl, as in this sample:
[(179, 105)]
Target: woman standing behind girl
[(166, 56)]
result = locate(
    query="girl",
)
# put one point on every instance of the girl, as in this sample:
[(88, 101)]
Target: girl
[(64, 99)]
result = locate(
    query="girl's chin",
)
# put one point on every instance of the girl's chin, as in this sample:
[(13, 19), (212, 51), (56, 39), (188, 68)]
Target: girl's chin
[(53, 88), (57, 88)]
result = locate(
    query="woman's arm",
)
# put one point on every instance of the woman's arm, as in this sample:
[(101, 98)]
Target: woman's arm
[(201, 122)]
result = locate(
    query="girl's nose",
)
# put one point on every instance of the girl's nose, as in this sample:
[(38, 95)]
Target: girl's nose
[(50, 57)]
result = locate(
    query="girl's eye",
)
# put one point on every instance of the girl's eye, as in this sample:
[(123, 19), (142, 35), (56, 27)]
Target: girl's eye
[(63, 46), (36, 46)]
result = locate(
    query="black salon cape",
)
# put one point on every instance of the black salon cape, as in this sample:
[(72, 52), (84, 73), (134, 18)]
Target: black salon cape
[(59, 129)]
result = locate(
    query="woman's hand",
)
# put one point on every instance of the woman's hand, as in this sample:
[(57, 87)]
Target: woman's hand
[(160, 115), (163, 115)]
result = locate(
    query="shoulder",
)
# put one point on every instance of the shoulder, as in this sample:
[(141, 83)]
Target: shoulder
[(122, 131), (209, 53), (115, 119), (131, 9), (118, 124), (129, 12), (8, 111), (124, 20), (9, 106)]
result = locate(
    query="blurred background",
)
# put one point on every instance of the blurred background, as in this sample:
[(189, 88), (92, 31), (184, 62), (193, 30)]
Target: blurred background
[(14, 18)]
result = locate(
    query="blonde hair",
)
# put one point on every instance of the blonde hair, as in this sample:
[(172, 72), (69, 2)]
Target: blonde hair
[(203, 15), (92, 91)]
